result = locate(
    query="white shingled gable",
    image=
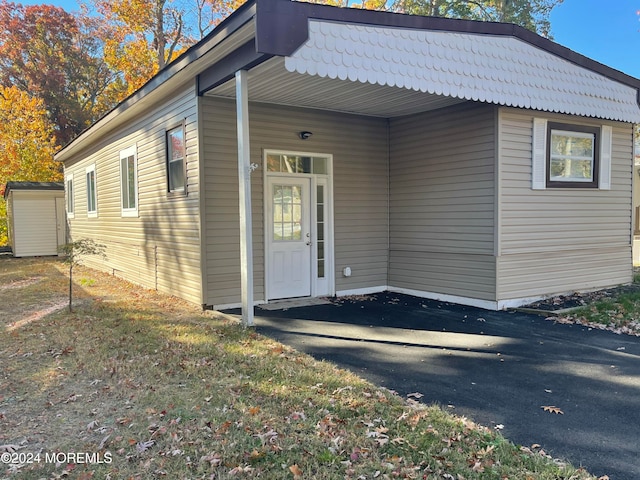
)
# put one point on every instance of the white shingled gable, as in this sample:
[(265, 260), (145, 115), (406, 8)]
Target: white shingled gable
[(493, 69)]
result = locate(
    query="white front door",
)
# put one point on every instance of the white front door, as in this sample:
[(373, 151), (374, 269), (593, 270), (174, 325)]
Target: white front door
[(289, 237)]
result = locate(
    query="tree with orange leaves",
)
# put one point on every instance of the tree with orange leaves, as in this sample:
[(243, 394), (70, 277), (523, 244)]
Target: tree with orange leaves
[(141, 37), (53, 55), (27, 144)]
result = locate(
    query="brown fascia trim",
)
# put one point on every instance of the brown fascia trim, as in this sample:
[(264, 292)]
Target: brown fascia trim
[(282, 27), (244, 57)]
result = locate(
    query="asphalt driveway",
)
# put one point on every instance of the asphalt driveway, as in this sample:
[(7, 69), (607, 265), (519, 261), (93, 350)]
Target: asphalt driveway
[(498, 368)]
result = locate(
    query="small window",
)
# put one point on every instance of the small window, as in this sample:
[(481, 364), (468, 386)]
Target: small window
[(129, 182), (70, 198), (285, 163), (572, 155), (92, 197), (175, 160)]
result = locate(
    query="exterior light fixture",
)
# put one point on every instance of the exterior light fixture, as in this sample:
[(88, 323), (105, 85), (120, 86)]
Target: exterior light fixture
[(304, 135)]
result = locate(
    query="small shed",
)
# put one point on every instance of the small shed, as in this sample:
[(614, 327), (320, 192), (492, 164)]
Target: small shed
[(36, 217)]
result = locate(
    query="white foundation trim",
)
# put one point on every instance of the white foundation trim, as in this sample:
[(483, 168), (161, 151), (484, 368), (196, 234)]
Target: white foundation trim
[(471, 302), (442, 297), (518, 302), (362, 291)]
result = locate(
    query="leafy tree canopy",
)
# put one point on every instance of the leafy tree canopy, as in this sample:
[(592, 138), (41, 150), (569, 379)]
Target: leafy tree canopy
[(530, 14), (55, 56), (27, 144), (142, 36), (27, 140)]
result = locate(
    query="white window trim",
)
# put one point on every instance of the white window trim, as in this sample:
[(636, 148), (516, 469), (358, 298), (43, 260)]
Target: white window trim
[(126, 153), (539, 163), (606, 143), (92, 168), (70, 196), (539, 156)]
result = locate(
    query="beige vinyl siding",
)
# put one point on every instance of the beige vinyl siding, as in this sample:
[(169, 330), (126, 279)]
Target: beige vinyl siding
[(34, 231), (560, 240), (359, 148), (160, 248), (442, 211)]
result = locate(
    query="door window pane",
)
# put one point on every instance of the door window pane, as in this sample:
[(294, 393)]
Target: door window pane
[(320, 165), (287, 213), (320, 229), (284, 163)]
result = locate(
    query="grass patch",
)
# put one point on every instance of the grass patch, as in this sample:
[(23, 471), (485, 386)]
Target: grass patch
[(154, 388), (619, 312)]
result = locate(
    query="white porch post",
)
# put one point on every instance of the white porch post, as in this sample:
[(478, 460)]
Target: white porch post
[(244, 184)]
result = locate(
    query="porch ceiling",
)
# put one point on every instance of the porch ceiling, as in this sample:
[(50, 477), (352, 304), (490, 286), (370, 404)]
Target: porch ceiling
[(270, 82)]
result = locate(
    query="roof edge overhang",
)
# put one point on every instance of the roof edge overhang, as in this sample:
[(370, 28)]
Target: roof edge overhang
[(282, 27), (32, 186)]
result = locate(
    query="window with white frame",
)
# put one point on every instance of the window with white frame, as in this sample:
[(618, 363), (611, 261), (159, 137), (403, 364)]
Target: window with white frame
[(571, 156), (92, 194), (176, 160), (70, 199), (129, 182)]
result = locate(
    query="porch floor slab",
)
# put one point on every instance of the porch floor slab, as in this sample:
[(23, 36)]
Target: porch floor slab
[(498, 368)]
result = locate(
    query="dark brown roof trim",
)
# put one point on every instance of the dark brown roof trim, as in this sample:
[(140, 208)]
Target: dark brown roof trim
[(243, 58), (32, 186)]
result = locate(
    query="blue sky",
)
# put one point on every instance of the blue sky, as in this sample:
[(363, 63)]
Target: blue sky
[(607, 31)]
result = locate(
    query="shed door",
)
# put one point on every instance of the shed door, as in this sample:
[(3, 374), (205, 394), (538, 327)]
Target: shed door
[(289, 231), (35, 227)]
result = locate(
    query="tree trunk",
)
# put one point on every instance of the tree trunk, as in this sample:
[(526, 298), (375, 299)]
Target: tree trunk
[(70, 287), (160, 37)]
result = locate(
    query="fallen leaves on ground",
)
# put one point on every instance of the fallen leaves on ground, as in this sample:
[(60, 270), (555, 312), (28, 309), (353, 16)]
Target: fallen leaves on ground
[(170, 391), (552, 409)]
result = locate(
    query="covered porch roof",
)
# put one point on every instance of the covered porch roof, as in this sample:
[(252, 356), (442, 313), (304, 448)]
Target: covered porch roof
[(385, 64)]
